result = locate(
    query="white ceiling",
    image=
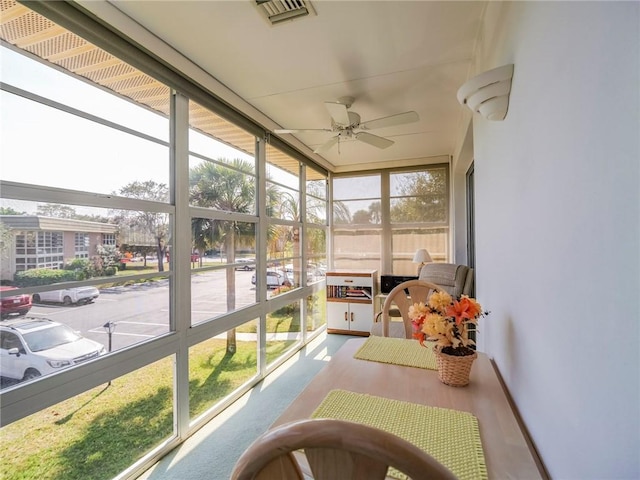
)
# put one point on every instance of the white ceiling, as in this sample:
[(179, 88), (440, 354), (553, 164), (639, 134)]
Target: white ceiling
[(392, 56)]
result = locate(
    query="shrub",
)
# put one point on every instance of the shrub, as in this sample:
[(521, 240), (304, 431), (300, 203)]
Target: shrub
[(77, 264), (110, 271), (109, 254), (82, 266), (42, 276), (281, 290), (287, 309)]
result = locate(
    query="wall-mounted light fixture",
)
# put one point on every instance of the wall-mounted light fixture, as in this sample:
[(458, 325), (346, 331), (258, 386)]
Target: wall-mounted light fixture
[(488, 93)]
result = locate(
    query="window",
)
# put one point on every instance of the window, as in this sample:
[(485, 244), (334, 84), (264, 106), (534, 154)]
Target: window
[(69, 137), (413, 214), (140, 401), (39, 250), (357, 220), (284, 209), (108, 239), (82, 245), (215, 374), (139, 203), (316, 228), (222, 183), (419, 216)]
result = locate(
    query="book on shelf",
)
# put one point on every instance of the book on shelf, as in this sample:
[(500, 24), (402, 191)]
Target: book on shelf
[(342, 291)]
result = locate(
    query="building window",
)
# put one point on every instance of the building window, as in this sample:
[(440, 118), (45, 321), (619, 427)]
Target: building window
[(39, 250), (109, 239), (81, 245)]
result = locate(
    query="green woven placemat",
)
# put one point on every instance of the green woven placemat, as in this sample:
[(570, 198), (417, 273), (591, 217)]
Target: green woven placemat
[(399, 351), (450, 436)]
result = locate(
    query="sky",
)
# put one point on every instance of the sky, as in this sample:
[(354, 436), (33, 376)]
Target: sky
[(44, 146)]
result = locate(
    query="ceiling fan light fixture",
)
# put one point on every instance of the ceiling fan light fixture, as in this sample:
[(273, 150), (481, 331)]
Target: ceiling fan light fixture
[(344, 122)]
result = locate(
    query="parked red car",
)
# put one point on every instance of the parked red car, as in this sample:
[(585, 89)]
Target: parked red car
[(15, 305)]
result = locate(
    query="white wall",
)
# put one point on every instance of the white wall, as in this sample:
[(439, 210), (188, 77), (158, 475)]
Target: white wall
[(557, 225)]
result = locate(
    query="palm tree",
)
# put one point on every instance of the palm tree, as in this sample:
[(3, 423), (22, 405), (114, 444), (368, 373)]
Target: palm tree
[(229, 188), (341, 212), (290, 210)]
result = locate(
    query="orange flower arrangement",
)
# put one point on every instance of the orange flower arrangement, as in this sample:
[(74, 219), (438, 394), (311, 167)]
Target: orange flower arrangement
[(445, 320)]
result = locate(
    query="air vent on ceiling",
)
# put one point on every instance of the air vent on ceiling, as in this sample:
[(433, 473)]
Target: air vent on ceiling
[(278, 11)]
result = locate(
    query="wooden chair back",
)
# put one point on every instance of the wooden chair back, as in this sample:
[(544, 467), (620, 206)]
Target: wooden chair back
[(334, 450), (418, 291)]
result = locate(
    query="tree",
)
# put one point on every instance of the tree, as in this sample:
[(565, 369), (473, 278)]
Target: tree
[(375, 212), (55, 210), (92, 218), (230, 189), (6, 238), (10, 211), (290, 238), (107, 256), (425, 198), (316, 202), (341, 213), (152, 223), (361, 216)]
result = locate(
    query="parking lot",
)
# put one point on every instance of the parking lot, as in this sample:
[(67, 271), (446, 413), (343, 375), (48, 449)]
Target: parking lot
[(140, 311)]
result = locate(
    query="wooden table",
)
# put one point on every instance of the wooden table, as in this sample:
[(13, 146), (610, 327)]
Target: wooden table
[(507, 451)]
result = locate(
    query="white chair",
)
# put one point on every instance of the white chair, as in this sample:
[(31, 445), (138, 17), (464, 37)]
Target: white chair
[(400, 298)]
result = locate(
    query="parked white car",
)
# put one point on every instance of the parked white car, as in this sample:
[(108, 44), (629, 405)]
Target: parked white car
[(275, 279), (247, 263), (68, 296), (31, 347)]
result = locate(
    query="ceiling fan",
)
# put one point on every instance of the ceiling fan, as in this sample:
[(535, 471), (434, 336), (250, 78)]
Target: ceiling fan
[(344, 123)]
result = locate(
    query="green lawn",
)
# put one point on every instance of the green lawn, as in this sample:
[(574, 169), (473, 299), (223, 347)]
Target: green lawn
[(98, 434)]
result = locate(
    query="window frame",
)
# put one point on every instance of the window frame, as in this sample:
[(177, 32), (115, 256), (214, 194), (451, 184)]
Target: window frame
[(37, 395), (386, 227)]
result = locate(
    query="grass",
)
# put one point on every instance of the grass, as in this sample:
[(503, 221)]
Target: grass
[(94, 435), (101, 432)]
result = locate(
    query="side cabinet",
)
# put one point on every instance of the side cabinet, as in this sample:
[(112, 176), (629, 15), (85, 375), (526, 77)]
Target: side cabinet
[(350, 301)]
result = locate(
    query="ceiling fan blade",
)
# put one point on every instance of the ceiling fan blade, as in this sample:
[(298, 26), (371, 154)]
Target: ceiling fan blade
[(399, 119), (374, 140), (300, 130), (327, 145), (338, 112)]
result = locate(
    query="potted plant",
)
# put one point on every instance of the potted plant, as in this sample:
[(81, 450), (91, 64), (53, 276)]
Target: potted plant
[(445, 322)]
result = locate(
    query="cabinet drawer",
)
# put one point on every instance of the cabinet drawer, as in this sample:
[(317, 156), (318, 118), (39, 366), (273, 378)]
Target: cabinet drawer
[(350, 281)]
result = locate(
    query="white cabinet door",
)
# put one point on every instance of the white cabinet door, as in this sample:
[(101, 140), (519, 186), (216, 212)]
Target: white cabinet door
[(356, 317), (338, 315), (360, 317)]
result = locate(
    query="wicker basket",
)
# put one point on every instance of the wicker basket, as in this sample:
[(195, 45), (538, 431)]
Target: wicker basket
[(454, 370)]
